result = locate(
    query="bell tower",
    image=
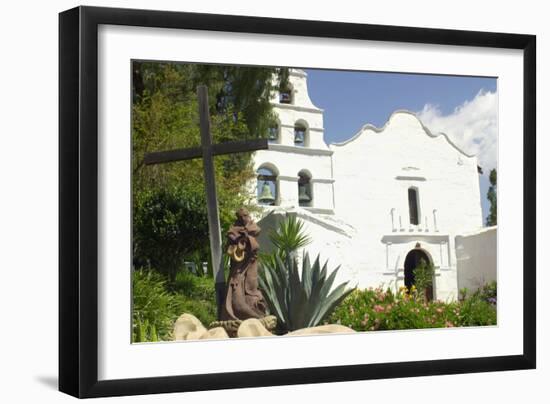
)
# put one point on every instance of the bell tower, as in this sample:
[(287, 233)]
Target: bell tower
[(296, 170)]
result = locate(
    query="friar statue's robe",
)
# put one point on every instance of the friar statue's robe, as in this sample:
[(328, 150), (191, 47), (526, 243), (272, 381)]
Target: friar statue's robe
[(243, 299)]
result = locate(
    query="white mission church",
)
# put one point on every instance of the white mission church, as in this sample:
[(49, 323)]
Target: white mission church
[(379, 202)]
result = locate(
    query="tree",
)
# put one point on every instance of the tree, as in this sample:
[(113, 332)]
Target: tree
[(423, 278), (169, 215), (492, 197)]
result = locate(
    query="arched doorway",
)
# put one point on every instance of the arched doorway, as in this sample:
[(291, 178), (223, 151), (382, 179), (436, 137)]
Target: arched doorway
[(412, 261)]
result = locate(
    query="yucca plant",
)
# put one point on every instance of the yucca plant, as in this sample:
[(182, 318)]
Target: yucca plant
[(289, 237), (300, 301)]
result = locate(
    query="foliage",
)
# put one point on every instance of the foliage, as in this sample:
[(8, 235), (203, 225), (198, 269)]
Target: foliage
[(232, 89), (492, 197), (169, 199), (423, 277), (145, 332), (476, 312), (204, 310), (487, 293), (196, 295), (379, 309), (289, 237), (169, 224), (300, 301), (462, 293), (154, 308), (193, 286), (158, 303)]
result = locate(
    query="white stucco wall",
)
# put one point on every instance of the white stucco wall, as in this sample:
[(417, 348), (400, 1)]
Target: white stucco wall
[(477, 258), (331, 240), (359, 217), (301, 110), (288, 159), (288, 163), (373, 172)]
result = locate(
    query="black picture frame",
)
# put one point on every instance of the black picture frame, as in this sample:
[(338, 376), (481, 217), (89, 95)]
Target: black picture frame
[(78, 200)]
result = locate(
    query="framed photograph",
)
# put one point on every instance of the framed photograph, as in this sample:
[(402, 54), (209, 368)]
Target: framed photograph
[(251, 201)]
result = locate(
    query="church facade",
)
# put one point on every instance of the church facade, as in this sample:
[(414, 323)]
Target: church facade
[(376, 204)]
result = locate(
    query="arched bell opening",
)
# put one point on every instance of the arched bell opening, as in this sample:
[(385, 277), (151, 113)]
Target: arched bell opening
[(301, 133), (267, 186), (274, 132), (286, 94), (305, 191)]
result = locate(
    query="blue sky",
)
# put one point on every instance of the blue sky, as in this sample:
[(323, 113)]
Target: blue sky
[(463, 107)]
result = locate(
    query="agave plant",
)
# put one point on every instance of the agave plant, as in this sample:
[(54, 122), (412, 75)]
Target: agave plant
[(300, 301)]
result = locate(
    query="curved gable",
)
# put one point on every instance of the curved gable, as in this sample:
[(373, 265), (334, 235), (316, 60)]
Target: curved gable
[(399, 114)]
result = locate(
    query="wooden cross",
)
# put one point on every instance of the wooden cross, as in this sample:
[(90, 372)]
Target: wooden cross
[(207, 151)]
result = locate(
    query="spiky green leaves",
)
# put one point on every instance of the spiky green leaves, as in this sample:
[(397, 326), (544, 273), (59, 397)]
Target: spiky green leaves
[(300, 301), (289, 237)]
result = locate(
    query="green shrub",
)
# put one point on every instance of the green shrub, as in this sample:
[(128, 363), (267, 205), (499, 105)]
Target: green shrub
[(204, 310), (378, 309), (193, 286), (157, 303), (169, 224), (487, 293), (423, 277), (196, 295), (476, 311), (145, 332), (154, 308)]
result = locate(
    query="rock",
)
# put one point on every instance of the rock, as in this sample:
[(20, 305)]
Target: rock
[(322, 329), (215, 333), (187, 327), (252, 328)]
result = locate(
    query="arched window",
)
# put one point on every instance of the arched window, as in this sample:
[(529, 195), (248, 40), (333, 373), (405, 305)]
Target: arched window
[(300, 133), (273, 133), (285, 95), (414, 203), (267, 187), (305, 194)]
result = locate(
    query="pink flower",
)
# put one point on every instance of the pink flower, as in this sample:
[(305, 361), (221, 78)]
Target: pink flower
[(439, 310), (378, 308), (449, 324)]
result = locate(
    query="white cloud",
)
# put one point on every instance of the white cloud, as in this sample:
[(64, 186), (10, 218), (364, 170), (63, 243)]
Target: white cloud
[(472, 126)]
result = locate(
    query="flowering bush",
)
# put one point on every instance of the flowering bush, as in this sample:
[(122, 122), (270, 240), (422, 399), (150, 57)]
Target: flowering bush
[(379, 309), (487, 292)]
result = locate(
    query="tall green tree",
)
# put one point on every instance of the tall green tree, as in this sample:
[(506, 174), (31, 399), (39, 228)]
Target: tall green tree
[(492, 197), (169, 214)]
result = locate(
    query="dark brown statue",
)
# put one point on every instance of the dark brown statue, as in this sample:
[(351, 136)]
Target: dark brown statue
[(243, 299)]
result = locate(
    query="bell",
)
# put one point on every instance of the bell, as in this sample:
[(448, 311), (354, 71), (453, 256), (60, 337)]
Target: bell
[(272, 134), (266, 196), (303, 196), (299, 136)]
